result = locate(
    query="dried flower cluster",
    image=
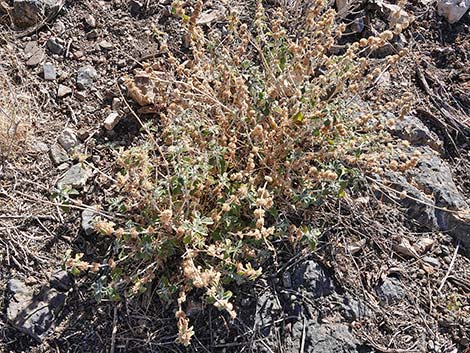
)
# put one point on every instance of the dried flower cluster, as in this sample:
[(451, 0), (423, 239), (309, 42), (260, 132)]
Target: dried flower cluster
[(253, 123)]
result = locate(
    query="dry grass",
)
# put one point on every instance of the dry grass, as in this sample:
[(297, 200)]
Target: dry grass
[(17, 104)]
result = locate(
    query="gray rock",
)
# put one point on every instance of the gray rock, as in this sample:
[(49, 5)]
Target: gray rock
[(49, 72), (61, 280), (63, 166), (116, 104), (54, 45), (75, 177), (432, 185), (58, 155), (413, 130), (93, 34), (105, 45), (59, 27), (85, 77), (87, 221), (63, 91), (435, 177), (296, 330), (33, 315), (111, 121), (392, 47), (313, 279), (355, 308), (136, 7), (68, 139), (390, 291), (419, 206), (267, 311), (432, 261), (16, 287), (324, 338), (30, 47), (39, 147), (90, 21), (36, 56), (28, 13), (452, 10)]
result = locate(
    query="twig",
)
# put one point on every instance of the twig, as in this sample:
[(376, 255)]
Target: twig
[(67, 51), (28, 216), (44, 227), (152, 55), (74, 204), (113, 334), (457, 212), (383, 349), (302, 343), (451, 266)]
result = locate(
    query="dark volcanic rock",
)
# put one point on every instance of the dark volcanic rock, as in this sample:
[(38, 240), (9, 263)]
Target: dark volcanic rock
[(416, 133), (390, 291), (33, 315), (420, 206), (54, 45), (267, 311), (27, 13), (325, 338), (61, 281), (313, 278), (355, 309), (434, 199)]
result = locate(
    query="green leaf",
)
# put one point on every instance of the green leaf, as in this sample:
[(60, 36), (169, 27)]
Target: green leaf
[(342, 193), (114, 295), (187, 239), (75, 271), (311, 236), (282, 62), (116, 273), (227, 295), (299, 117)]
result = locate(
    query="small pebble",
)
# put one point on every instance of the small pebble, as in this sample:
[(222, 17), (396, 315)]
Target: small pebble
[(116, 104), (90, 21), (63, 91), (49, 72), (55, 46), (78, 54), (105, 45), (111, 121), (93, 34)]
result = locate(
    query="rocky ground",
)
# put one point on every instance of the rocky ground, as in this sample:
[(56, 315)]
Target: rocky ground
[(391, 274)]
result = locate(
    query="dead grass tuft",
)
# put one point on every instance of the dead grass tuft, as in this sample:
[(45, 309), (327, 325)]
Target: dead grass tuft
[(17, 105)]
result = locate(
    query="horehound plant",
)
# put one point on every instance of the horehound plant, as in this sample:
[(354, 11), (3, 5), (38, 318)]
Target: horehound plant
[(253, 125)]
